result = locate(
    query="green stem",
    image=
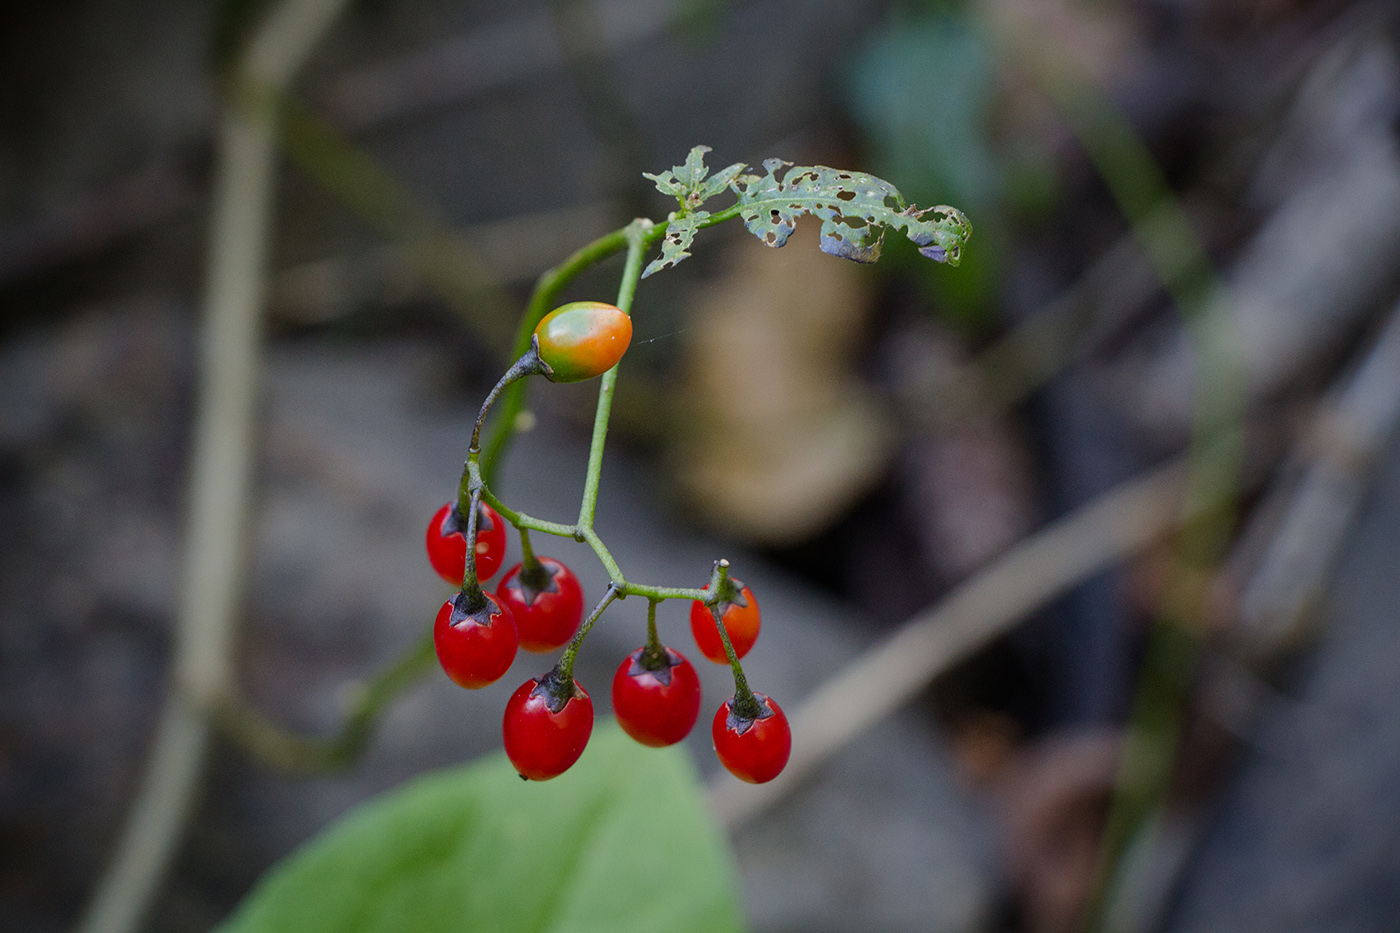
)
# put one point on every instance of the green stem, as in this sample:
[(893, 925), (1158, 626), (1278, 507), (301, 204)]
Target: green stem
[(471, 587), (533, 576), (652, 640), (745, 703), (289, 751), (663, 592), (565, 667), (636, 245), (529, 364), (547, 290), (653, 656)]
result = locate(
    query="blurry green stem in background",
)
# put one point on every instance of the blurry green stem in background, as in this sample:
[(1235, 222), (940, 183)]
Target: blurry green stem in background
[(221, 472), (1214, 459), (355, 179)]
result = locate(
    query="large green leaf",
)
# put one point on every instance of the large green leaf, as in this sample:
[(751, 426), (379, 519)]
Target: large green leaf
[(621, 842)]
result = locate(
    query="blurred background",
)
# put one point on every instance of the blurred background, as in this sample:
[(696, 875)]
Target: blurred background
[(1124, 473)]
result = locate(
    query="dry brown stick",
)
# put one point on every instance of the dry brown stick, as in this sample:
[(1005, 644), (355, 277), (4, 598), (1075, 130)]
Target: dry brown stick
[(1119, 523), (221, 475)]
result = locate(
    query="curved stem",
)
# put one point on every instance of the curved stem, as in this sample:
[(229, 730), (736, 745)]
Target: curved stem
[(745, 703), (547, 290), (529, 364), (604, 556), (566, 662), (290, 751)]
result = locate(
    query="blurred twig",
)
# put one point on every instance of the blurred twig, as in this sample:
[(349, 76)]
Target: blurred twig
[(221, 473), (93, 222), (483, 60), (1347, 437), (1283, 587), (358, 181), (515, 249), (1115, 287), (885, 677), (290, 751)]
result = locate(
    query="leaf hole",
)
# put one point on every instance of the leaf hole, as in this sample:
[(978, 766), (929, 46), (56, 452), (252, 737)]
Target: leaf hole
[(846, 195)]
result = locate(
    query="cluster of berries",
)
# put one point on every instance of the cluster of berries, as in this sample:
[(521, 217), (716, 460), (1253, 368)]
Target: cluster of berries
[(538, 605)]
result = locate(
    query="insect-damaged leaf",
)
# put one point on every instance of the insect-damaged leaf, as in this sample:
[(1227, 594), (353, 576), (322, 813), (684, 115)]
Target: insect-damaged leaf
[(675, 246), (854, 209), (687, 184), (691, 185)]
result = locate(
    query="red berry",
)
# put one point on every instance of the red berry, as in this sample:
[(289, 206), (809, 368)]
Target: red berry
[(582, 339), (546, 615), (447, 543), (740, 621), (474, 647), (754, 750), (546, 726), (656, 707)]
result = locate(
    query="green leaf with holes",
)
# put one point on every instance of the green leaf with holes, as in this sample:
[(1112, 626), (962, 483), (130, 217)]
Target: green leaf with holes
[(854, 208), (621, 842), (691, 183), (675, 245)]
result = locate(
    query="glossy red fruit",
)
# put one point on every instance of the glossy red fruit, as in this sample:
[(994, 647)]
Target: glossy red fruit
[(474, 647), (754, 750), (656, 707), (740, 620), (546, 726), (582, 339), (447, 543), (548, 616)]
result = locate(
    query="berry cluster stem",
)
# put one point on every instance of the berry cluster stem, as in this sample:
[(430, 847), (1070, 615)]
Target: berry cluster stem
[(654, 654), (745, 703), (471, 587), (529, 364), (566, 662)]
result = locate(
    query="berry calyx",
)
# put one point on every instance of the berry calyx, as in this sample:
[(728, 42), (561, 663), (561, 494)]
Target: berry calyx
[(546, 726), (752, 748), (656, 696), (447, 543), (475, 639), (740, 618), (582, 339), (547, 605)]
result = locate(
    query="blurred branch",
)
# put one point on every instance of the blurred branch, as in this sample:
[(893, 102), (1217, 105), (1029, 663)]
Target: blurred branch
[(443, 260), (1118, 524), (481, 61), (1305, 529), (1348, 436), (515, 249), (1215, 454), (289, 751), (221, 474), (94, 222), (1065, 331)]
